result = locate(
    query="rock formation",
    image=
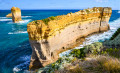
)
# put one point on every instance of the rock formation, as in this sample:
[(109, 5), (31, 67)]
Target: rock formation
[(49, 37), (16, 14), (9, 15)]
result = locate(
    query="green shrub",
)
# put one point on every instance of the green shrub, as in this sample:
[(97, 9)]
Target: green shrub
[(79, 53), (115, 34), (48, 19), (59, 60), (93, 48), (113, 52), (52, 18)]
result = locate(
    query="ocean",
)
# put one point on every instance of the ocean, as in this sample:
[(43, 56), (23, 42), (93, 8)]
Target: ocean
[(15, 50)]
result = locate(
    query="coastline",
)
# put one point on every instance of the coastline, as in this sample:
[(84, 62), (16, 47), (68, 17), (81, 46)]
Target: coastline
[(114, 23), (54, 34)]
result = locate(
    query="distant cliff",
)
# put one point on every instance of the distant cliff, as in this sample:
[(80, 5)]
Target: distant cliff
[(16, 14), (50, 36)]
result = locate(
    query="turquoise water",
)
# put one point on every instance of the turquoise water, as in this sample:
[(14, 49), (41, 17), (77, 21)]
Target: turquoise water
[(15, 50)]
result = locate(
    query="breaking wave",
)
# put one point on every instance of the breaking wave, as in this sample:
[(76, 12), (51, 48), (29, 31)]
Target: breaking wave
[(118, 11), (5, 19), (26, 61), (19, 32), (21, 22), (103, 36), (24, 21), (2, 17), (25, 16)]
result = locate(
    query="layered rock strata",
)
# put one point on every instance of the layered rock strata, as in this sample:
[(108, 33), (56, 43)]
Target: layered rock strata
[(16, 14), (9, 15), (50, 36)]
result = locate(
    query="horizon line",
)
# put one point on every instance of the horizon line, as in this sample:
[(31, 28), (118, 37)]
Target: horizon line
[(49, 9), (43, 9)]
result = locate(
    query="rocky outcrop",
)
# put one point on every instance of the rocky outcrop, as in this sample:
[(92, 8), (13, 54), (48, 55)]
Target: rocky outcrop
[(9, 15), (49, 37), (16, 14)]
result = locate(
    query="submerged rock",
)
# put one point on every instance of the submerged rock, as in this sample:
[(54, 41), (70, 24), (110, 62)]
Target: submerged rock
[(51, 36), (16, 14)]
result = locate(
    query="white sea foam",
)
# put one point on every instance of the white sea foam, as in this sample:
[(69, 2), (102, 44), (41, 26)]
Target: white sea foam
[(18, 32), (25, 16), (21, 22), (24, 21), (15, 69), (21, 16), (103, 36), (23, 65), (2, 17), (5, 19), (118, 11), (114, 25)]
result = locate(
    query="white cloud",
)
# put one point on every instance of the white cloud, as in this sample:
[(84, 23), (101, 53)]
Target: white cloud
[(101, 1)]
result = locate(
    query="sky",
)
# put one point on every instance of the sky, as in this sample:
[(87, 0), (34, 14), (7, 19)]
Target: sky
[(58, 4)]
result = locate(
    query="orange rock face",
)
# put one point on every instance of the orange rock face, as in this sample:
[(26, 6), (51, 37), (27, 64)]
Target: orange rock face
[(50, 36), (16, 14), (9, 15)]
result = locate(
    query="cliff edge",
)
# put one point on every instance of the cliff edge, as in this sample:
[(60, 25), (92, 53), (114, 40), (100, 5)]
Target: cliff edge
[(50, 36), (16, 14)]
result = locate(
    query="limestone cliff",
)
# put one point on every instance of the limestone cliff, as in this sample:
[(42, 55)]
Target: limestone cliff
[(16, 14), (9, 15), (48, 37)]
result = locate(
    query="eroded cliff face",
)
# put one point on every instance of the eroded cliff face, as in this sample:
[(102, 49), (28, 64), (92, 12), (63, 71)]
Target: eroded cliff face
[(9, 15), (50, 36), (16, 14)]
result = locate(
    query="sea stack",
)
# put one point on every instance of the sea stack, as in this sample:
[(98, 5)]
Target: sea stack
[(50, 36), (16, 14), (9, 15)]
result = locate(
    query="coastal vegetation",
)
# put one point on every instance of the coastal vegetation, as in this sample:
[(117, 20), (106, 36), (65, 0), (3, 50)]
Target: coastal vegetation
[(115, 34), (79, 53), (94, 47), (48, 19), (91, 58)]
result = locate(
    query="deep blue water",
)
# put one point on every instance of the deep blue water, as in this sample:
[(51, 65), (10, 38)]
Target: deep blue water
[(15, 50)]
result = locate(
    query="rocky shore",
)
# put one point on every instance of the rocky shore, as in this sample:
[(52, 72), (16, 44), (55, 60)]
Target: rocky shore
[(48, 37)]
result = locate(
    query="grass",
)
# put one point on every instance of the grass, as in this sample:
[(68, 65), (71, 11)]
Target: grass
[(115, 34), (77, 69), (104, 61), (112, 52), (52, 18), (48, 19), (94, 64)]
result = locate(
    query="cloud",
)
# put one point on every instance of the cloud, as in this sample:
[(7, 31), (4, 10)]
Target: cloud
[(101, 1)]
